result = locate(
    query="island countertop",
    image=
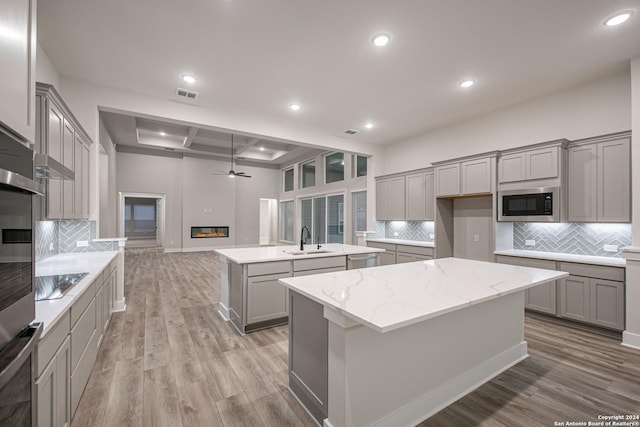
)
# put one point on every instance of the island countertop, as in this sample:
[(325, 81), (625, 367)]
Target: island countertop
[(393, 296), (284, 253)]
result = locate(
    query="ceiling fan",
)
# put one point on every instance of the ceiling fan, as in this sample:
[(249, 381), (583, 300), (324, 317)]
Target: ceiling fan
[(232, 173)]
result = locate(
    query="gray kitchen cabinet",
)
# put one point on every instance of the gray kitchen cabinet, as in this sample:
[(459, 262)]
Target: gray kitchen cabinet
[(593, 294), (419, 197), (18, 65), (266, 298), (468, 177), (308, 354), (60, 136), (540, 298), (540, 163), (100, 313), (408, 253), (447, 179), (390, 198), (53, 390), (387, 257), (600, 180)]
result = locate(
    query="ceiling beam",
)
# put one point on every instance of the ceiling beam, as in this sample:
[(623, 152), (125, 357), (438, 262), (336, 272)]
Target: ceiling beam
[(250, 143), (193, 132)]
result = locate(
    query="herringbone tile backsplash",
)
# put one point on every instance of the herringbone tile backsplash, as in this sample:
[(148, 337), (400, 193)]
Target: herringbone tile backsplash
[(64, 236), (572, 238), (407, 230)]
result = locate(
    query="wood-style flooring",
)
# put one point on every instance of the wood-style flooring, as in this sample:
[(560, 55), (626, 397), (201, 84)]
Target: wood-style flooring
[(170, 360)]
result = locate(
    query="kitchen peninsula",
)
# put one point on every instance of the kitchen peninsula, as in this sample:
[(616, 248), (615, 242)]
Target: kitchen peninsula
[(393, 345), (250, 295)]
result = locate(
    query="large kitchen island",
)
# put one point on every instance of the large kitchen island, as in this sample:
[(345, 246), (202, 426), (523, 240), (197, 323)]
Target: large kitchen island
[(393, 345)]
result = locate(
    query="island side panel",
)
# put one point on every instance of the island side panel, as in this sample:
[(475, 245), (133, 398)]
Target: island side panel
[(402, 377), (236, 296), (223, 304), (308, 356)]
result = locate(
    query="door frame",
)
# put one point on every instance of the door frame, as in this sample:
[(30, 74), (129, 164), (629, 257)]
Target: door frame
[(160, 233)]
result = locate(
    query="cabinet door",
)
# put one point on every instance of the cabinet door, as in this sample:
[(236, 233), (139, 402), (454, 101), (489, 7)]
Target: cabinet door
[(582, 183), (396, 200), (614, 180), (430, 197), (542, 163), (448, 180), (54, 133), (266, 298), (415, 198), (476, 176), (542, 298), (80, 177), (387, 258), (17, 62), (86, 178), (54, 199), (68, 158), (46, 395), (100, 311), (575, 298), (511, 167), (383, 194), (63, 384), (607, 303), (402, 257)]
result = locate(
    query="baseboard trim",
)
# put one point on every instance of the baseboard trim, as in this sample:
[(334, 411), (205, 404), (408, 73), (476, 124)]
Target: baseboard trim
[(223, 311), (631, 340), (172, 250), (119, 305)]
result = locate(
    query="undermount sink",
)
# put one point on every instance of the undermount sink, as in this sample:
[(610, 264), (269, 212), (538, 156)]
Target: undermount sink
[(309, 252)]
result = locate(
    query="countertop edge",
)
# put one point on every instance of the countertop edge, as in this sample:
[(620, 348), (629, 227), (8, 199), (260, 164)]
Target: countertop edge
[(554, 256)]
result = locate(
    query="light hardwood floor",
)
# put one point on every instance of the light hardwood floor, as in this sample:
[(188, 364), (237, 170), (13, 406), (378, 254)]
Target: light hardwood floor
[(170, 360)]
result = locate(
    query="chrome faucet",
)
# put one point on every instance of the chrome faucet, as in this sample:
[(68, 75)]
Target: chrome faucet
[(303, 239)]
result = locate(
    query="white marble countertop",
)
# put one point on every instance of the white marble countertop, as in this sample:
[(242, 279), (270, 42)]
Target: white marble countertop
[(421, 243), (49, 311), (555, 256), (283, 253), (393, 296)]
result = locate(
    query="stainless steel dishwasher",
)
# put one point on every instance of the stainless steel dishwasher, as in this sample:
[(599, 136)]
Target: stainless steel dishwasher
[(363, 260)]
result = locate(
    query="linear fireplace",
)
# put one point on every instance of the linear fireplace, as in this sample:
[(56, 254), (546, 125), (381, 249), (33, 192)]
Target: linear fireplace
[(209, 232)]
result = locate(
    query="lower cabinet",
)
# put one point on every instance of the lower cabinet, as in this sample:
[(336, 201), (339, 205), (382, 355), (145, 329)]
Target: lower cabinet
[(53, 390), (593, 294), (397, 254), (541, 298), (387, 257), (266, 298)]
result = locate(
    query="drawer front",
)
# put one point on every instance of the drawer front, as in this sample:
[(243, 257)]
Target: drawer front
[(319, 263), (416, 250), (48, 345), (526, 262), (81, 333), (311, 272), (82, 302), (380, 245), (264, 268), (80, 375), (595, 271)]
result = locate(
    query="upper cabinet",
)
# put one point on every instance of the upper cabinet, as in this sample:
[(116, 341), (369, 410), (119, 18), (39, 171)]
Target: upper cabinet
[(390, 199), (408, 196), (60, 136), (467, 177), (17, 62), (541, 163), (599, 180)]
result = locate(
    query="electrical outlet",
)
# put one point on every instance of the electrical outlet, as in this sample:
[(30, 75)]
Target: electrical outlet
[(396, 234), (82, 243), (431, 236), (610, 248), (50, 246), (476, 237), (529, 242)]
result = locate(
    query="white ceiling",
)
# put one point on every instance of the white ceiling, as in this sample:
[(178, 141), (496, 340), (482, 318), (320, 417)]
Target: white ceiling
[(257, 56)]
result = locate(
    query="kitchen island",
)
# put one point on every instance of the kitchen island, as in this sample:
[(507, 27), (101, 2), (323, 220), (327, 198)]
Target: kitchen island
[(250, 295), (393, 345)]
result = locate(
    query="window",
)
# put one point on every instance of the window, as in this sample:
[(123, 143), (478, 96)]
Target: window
[(334, 167), (360, 166), (335, 219), (286, 221), (359, 214), (139, 218), (313, 215), (288, 180), (308, 174)]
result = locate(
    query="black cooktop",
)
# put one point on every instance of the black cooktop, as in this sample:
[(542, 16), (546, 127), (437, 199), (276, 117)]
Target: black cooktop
[(54, 287)]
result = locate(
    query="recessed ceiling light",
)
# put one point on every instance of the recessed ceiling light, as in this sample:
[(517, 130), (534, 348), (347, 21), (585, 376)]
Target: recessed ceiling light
[(295, 107), (261, 148), (189, 78), (163, 134), (467, 83), (381, 40), (618, 18), (368, 125)]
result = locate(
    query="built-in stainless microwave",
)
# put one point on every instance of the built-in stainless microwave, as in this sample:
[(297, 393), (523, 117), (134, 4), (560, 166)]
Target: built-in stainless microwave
[(530, 205)]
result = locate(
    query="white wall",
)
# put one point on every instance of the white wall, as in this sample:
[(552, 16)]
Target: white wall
[(107, 194), (597, 108), (141, 173), (262, 185), (45, 71)]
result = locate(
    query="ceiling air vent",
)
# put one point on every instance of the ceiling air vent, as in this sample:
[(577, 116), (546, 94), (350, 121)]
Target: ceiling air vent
[(351, 131), (186, 93)]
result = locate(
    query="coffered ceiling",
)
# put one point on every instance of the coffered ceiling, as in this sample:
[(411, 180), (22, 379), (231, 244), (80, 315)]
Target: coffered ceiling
[(256, 57)]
